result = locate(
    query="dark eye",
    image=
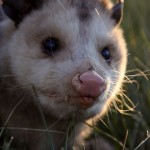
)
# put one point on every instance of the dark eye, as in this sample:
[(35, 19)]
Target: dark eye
[(106, 54), (50, 46)]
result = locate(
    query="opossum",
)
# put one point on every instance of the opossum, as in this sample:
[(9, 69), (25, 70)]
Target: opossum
[(61, 64)]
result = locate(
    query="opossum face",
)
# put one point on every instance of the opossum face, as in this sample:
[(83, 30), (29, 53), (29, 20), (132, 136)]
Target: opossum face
[(72, 53)]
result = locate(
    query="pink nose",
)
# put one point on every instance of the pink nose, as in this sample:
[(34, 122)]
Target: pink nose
[(89, 84)]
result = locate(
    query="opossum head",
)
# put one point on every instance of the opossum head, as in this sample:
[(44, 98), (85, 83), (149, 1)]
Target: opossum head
[(71, 51)]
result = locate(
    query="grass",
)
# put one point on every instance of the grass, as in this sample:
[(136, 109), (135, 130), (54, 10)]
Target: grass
[(130, 129)]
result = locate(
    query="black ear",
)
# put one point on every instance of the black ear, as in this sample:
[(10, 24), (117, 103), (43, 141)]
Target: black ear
[(117, 12), (18, 9)]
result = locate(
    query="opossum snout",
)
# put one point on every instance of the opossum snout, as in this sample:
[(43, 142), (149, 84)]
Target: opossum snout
[(89, 84)]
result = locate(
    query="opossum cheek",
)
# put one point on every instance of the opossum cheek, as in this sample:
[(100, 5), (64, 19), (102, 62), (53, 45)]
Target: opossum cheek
[(89, 86)]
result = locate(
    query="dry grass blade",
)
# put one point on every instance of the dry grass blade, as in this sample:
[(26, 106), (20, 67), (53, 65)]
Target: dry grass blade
[(49, 136), (145, 140), (7, 145), (125, 140), (98, 130)]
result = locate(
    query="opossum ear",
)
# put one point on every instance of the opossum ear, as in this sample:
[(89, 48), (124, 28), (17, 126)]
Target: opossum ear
[(18, 9), (117, 12)]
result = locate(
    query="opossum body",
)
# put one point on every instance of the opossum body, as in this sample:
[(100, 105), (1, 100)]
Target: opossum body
[(61, 63)]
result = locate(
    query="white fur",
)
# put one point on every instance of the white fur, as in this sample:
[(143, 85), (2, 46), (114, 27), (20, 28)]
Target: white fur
[(24, 60)]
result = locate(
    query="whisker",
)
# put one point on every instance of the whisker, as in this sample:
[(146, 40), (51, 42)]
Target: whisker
[(4, 76), (102, 121), (61, 4), (30, 129), (52, 125), (101, 19)]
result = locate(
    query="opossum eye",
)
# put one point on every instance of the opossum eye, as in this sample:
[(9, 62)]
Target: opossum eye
[(106, 54), (50, 46)]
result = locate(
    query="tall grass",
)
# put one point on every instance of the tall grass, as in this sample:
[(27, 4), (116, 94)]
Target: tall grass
[(132, 128)]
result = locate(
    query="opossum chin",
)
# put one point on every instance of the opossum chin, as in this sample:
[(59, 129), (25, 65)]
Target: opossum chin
[(68, 107)]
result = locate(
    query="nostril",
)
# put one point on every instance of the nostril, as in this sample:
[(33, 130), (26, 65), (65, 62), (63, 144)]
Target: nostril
[(80, 79)]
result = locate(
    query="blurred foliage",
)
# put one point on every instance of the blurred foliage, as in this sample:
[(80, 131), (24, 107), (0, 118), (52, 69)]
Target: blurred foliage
[(132, 128)]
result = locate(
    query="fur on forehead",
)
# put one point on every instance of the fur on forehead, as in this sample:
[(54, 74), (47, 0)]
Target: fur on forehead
[(84, 8)]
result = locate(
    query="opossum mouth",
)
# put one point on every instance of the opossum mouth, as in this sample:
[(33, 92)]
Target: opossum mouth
[(84, 102)]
